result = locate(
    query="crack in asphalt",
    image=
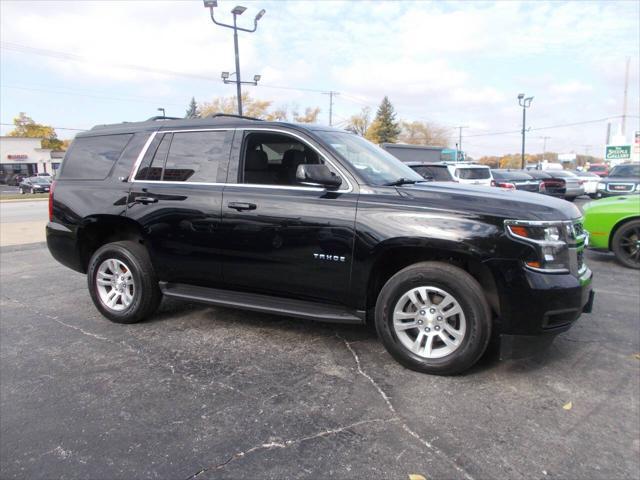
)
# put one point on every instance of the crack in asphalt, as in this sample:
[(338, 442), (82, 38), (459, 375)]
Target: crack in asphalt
[(288, 443), (391, 408)]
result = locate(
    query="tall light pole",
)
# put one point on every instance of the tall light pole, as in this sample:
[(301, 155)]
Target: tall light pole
[(238, 10), (160, 109), (524, 103), (459, 145)]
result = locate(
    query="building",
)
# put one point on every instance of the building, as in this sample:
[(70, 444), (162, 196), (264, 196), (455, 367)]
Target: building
[(24, 156)]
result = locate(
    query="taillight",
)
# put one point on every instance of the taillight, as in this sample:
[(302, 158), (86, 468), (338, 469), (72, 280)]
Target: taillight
[(493, 183), (507, 185), (542, 187), (51, 188)]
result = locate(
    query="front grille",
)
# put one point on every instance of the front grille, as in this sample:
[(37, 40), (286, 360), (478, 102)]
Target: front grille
[(580, 259), (620, 187)]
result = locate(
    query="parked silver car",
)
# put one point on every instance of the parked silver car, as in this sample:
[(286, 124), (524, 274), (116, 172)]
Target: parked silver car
[(572, 181)]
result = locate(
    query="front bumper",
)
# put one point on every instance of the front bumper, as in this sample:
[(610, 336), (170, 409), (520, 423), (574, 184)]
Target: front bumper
[(537, 305)]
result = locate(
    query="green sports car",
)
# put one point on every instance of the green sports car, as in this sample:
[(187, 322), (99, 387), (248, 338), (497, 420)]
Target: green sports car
[(614, 224)]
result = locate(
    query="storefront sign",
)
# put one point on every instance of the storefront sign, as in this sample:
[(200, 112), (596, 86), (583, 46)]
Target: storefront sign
[(618, 152), (17, 156)]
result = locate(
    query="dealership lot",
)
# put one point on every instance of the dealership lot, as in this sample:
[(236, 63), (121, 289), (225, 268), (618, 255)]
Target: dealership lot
[(217, 393)]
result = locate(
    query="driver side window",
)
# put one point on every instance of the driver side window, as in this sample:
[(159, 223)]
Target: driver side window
[(273, 159)]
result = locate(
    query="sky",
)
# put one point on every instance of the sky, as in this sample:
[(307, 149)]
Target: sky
[(75, 64)]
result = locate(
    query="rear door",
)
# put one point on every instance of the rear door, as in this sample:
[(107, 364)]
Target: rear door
[(281, 237), (176, 196)]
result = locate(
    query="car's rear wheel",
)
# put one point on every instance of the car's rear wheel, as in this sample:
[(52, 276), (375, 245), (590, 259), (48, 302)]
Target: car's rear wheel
[(122, 282), (626, 244), (570, 199), (433, 317)]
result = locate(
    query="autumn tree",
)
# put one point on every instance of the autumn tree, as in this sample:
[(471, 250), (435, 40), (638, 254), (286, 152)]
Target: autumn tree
[(251, 107), (26, 127), (423, 133), (192, 110), (359, 123), (310, 115), (384, 127)]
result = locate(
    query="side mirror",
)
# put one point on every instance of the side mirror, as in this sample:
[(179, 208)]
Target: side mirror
[(318, 176)]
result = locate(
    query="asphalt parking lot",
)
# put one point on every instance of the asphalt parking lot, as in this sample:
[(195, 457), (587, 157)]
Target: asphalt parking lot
[(217, 393)]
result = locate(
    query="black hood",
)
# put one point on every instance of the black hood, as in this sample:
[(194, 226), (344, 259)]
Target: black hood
[(498, 202)]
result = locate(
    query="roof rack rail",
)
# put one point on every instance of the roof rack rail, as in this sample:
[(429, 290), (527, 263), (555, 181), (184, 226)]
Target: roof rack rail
[(233, 115), (160, 117)]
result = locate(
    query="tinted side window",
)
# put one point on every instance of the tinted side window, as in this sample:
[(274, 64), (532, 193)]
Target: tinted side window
[(195, 156), (91, 158)]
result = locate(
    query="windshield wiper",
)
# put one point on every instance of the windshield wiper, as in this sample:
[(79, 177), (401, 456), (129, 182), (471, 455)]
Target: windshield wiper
[(401, 181)]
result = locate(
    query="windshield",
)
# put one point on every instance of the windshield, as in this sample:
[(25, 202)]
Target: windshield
[(475, 173), (38, 180), (625, 171), (372, 163)]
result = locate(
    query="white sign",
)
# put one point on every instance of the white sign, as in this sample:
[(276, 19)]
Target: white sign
[(566, 157)]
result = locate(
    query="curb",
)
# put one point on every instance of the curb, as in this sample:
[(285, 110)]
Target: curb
[(39, 199), (22, 247)]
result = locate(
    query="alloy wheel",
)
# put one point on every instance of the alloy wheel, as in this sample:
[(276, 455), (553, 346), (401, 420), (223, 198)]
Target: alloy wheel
[(115, 284), (429, 322), (630, 244)]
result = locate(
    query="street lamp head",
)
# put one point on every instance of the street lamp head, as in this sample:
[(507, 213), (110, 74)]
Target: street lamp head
[(225, 75), (256, 78), (210, 3), (238, 10), (260, 14), (520, 96)]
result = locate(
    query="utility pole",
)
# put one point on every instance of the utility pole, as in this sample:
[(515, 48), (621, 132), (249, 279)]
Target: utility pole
[(331, 94), (544, 147), (624, 102), (524, 103), (608, 133), (459, 144)]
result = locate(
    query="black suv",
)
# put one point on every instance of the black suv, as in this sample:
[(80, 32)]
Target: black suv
[(623, 179), (313, 222)]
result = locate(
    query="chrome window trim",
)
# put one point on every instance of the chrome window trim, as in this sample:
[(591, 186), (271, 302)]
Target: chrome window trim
[(143, 152)]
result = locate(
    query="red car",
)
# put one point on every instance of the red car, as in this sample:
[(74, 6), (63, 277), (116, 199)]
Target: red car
[(600, 169)]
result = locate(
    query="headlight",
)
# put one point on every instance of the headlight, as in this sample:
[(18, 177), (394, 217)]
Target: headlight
[(548, 239), (601, 186)]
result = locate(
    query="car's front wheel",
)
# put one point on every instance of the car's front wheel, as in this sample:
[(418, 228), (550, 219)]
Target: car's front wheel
[(433, 317), (122, 282), (626, 244)]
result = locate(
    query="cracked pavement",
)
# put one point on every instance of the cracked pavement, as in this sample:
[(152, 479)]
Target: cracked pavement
[(203, 392)]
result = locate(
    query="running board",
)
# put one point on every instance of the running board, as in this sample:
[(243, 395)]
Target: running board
[(263, 303)]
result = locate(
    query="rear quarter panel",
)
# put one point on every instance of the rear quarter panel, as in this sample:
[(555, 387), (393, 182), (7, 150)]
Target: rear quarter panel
[(603, 217)]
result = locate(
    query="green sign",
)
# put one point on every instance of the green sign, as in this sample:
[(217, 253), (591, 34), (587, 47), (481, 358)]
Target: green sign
[(618, 152)]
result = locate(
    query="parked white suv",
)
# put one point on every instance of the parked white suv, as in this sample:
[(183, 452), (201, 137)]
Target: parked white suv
[(470, 173)]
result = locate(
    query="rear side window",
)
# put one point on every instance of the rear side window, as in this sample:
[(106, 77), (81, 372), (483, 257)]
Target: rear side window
[(91, 158), (473, 173), (186, 157)]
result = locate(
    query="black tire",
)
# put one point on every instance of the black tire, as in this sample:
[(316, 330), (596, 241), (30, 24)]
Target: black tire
[(464, 288), (570, 199), (146, 296), (593, 196), (622, 244)]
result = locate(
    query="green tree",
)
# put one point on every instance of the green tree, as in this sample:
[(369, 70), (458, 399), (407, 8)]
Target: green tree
[(26, 127), (384, 128), (192, 111)]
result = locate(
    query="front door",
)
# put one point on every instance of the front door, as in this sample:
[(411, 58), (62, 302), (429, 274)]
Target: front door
[(281, 237), (177, 199)]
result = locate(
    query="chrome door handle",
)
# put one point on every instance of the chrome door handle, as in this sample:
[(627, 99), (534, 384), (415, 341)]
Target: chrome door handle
[(145, 200), (239, 206)]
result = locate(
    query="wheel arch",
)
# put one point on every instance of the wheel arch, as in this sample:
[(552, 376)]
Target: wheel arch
[(98, 230), (395, 256), (618, 225)]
